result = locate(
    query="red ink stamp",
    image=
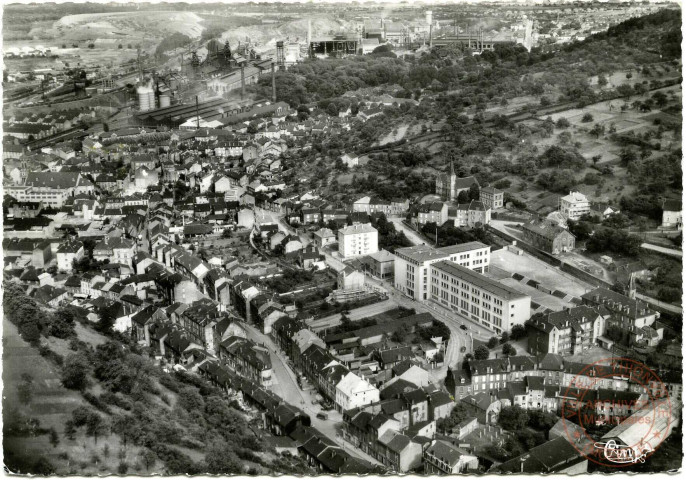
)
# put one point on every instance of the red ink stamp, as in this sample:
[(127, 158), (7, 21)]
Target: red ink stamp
[(624, 411)]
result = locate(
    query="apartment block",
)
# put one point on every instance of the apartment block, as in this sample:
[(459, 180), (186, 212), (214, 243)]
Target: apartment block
[(357, 240)]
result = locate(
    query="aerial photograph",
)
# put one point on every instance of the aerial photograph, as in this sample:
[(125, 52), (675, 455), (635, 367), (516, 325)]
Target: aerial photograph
[(342, 237)]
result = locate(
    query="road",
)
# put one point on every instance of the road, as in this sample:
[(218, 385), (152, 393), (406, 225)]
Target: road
[(409, 233), (667, 251), (286, 386), (667, 306)]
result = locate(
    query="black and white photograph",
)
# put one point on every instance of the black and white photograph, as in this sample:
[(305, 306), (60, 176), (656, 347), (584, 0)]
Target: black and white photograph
[(342, 238)]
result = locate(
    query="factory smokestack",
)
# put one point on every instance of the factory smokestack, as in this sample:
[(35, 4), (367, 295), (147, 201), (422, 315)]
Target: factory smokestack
[(242, 81), (309, 33), (273, 83)]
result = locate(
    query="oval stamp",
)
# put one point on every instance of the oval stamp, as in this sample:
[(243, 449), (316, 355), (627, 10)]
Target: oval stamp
[(620, 412)]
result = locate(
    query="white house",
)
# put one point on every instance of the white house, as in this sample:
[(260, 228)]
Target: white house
[(353, 392), (574, 205), (67, 253), (350, 161)]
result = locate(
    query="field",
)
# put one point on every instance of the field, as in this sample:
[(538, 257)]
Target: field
[(51, 406)]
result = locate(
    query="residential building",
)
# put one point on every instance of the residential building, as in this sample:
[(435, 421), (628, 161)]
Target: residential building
[(350, 279), (548, 236), (67, 254), (568, 332), (671, 215), (436, 212), (411, 266), (324, 237), (492, 198), (380, 264), (478, 297), (556, 456), (357, 240), (627, 313), (442, 458), (353, 392), (470, 215), (574, 205)]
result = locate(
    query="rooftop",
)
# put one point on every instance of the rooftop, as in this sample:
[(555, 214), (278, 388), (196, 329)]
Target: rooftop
[(481, 281)]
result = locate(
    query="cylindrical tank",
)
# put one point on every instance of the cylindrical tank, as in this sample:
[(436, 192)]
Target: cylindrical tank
[(151, 98), (144, 103), (164, 101)]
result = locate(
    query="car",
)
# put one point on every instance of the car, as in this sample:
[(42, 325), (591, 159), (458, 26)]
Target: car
[(463, 327), (322, 416)]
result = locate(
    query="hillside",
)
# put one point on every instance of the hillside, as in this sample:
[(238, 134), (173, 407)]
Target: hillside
[(93, 404)]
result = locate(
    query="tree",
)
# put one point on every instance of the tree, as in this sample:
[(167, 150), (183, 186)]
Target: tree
[(481, 352), (492, 342), (25, 389), (94, 426), (505, 337), (463, 197), (518, 332), (54, 438), (148, 458), (598, 130), (69, 429), (474, 192), (509, 350), (75, 371), (562, 122), (587, 118), (226, 233), (627, 156), (513, 418), (221, 460)]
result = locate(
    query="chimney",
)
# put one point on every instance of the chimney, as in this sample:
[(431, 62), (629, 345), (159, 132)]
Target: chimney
[(522, 460), (242, 81), (273, 83)]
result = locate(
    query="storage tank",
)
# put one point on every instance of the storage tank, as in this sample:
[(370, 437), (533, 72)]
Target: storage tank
[(144, 95), (164, 100)]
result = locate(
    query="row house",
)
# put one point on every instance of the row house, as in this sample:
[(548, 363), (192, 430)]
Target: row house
[(247, 359)]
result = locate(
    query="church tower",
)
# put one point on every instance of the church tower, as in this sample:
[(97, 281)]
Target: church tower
[(451, 193)]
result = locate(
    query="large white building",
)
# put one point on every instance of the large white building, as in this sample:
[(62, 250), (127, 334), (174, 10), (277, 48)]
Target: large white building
[(478, 297), (353, 392), (412, 264), (357, 240), (574, 205)]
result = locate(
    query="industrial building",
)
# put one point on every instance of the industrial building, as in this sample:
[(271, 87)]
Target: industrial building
[(337, 45), (175, 115)]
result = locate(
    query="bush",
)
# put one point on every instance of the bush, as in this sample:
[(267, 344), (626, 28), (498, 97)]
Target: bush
[(96, 402), (587, 118), (562, 123), (502, 184)]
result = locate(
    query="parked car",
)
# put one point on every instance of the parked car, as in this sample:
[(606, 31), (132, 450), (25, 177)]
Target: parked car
[(322, 416), (463, 327)]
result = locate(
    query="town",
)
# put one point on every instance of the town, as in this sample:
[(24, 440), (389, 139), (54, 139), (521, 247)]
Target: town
[(342, 239)]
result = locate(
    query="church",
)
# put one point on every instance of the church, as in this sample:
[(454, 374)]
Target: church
[(448, 186)]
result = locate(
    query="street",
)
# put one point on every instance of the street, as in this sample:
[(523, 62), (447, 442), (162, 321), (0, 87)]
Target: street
[(286, 386), (411, 235)]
